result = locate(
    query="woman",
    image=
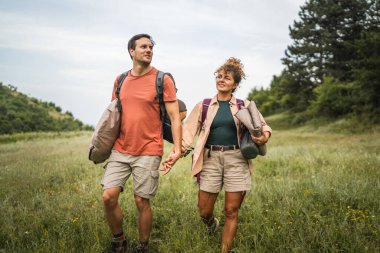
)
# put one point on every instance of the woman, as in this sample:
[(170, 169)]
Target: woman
[(217, 160)]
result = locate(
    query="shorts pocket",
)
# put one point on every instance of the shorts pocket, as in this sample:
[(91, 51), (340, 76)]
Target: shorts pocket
[(154, 175)]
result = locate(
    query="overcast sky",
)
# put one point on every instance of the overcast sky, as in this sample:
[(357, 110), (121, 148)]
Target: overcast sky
[(70, 51)]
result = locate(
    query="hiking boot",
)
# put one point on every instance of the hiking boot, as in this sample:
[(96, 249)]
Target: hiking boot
[(141, 248), (118, 247), (212, 226)]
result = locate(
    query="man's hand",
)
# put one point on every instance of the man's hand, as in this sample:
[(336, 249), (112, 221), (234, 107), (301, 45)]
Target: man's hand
[(170, 161)]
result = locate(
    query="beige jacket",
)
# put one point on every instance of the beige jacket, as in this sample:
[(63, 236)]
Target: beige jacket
[(192, 127)]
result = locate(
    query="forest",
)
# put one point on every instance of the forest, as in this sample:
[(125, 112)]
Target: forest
[(331, 69)]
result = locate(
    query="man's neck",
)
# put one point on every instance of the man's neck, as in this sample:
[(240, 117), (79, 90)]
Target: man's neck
[(139, 70)]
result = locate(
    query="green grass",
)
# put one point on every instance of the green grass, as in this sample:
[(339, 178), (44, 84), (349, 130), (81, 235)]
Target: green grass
[(7, 138), (313, 192), (305, 123)]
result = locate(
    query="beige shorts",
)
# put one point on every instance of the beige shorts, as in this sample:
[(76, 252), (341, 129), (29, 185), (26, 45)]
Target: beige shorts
[(144, 170), (225, 168)]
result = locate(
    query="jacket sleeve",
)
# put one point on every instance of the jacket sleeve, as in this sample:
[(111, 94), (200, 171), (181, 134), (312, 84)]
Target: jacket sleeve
[(192, 126), (265, 127)]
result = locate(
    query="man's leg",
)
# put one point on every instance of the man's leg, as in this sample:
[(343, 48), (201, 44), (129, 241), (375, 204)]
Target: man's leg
[(145, 218), (114, 217), (112, 210), (232, 204), (145, 185), (116, 174)]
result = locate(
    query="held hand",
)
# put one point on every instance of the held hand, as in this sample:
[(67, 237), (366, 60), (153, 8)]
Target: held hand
[(170, 161), (167, 164), (175, 155), (166, 168)]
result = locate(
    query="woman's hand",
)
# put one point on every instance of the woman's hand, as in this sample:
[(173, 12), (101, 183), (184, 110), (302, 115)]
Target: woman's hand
[(262, 139)]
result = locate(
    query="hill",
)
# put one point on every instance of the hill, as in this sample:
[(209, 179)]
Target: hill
[(21, 113)]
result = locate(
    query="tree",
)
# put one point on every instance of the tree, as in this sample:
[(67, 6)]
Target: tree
[(322, 43), (366, 73)]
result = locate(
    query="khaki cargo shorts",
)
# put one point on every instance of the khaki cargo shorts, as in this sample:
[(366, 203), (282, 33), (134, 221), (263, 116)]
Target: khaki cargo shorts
[(144, 170), (225, 168)]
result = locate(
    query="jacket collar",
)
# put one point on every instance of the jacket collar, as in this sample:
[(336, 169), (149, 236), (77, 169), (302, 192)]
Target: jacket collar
[(214, 100)]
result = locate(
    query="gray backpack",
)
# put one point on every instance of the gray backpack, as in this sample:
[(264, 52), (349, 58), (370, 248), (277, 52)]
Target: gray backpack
[(108, 128)]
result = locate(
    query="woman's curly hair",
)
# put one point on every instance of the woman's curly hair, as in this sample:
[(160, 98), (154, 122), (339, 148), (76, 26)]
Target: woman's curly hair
[(234, 66)]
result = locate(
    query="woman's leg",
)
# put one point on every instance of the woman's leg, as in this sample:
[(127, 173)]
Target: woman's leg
[(232, 204), (206, 202)]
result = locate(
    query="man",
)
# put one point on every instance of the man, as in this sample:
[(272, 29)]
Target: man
[(139, 148)]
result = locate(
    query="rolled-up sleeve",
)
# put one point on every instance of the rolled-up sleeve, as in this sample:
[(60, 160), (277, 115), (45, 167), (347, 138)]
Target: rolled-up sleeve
[(264, 125)]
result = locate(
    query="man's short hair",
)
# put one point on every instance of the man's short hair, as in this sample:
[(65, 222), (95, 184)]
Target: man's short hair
[(132, 41)]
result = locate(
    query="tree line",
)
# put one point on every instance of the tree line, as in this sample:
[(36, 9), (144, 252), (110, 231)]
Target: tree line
[(332, 67), (20, 113)]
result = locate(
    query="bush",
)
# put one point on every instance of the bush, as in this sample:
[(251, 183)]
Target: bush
[(334, 98)]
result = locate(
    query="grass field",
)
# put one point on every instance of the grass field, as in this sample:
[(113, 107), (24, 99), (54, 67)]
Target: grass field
[(313, 192)]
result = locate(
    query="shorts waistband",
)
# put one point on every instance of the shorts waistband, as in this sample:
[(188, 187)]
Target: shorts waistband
[(221, 147)]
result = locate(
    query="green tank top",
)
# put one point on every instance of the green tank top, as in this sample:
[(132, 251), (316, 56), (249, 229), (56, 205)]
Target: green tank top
[(223, 130)]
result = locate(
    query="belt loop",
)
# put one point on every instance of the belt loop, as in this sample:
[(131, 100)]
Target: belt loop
[(222, 148)]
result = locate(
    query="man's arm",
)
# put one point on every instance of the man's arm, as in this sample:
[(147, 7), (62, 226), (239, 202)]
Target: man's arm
[(174, 116)]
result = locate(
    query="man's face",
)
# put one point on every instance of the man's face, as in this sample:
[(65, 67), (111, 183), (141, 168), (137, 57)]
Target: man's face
[(143, 51)]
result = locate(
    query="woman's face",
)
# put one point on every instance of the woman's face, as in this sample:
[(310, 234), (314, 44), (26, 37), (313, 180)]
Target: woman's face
[(225, 82)]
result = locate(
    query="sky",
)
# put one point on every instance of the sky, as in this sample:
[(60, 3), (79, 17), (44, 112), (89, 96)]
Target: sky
[(69, 52)]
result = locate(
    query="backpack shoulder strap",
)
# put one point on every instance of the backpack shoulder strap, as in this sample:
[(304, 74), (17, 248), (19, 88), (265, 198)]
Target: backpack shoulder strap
[(239, 103), (117, 92), (171, 77), (205, 104), (160, 90)]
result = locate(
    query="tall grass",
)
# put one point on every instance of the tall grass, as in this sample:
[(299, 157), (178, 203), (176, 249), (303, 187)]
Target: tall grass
[(311, 193), (6, 138)]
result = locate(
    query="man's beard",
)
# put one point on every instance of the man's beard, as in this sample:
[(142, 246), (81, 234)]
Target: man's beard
[(144, 63)]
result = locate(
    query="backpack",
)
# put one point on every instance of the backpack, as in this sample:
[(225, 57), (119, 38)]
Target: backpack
[(107, 130), (166, 124)]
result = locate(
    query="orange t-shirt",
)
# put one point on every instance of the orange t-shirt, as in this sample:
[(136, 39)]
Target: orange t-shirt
[(141, 127)]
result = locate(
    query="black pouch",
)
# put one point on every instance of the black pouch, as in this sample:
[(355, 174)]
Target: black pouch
[(167, 130), (249, 149)]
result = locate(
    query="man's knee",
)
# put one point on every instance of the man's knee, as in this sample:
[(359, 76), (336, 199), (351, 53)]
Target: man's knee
[(231, 212), (142, 203), (110, 197)]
